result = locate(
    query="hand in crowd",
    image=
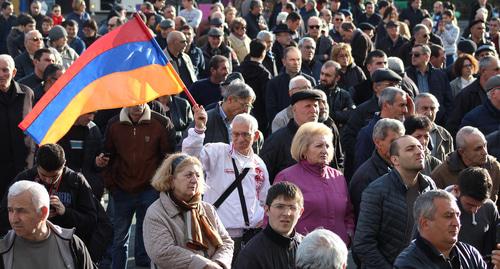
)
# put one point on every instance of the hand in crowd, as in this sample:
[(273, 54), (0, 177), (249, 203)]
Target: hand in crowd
[(200, 117), (410, 105), (56, 206), (101, 160), (495, 257), (213, 265)]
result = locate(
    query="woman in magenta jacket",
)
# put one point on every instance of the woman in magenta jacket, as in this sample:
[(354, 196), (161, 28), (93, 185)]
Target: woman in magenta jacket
[(326, 198)]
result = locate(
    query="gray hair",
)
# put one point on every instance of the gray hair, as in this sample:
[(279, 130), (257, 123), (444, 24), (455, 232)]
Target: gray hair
[(30, 34), (304, 39), (424, 206), (423, 95), (9, 60), (294, 81), (263, 34), (39, 195), (388, 95), (383, 126), (485, 62), (331, 63), (396, 65), (281, 18), (419, 27), (464, 132), (238, 89), (321, 249), (248, 119)]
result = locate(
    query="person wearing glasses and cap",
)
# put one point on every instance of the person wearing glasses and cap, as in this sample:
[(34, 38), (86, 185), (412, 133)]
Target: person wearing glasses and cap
[(33, 41)]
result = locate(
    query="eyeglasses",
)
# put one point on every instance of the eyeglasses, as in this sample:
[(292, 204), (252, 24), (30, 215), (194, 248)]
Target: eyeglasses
[(282, 207), (314, 26), (242, 28), (416, 54), (246, 105), (467, 65), (310, 47), (245, 135), (338, 19), (35, 38)]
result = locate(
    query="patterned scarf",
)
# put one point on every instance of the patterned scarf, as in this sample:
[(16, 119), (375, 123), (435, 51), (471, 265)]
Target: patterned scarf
[(200, 231)]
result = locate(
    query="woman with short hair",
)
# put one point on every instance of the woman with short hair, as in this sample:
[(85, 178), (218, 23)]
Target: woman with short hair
[(180, 230), (350, 74), (465, 67)]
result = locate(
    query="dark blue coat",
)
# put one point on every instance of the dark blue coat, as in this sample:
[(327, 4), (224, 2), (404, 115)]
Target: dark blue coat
[(485, 117), (364, 142)]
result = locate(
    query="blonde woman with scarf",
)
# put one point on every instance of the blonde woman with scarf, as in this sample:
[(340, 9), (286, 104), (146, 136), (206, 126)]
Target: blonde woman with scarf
[(180, 230)]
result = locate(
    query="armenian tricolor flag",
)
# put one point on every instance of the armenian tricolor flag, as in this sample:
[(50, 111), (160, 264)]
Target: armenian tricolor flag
[(126, 67)]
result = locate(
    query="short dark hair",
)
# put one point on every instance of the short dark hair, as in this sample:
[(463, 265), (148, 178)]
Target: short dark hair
[(475, 182), (293, 16), (254, 3), (257, 48), (394, 149), (50, 157), (48, 20), (38, 54), (51, 70), (374, 54), (382, 3), (25, 19), (413, 123), (368, 3), (71, 23), (286, 189), (348, 26), (186, 27), (287, 50), (6, 4), (216, 61), (435, 49), (92, 24)]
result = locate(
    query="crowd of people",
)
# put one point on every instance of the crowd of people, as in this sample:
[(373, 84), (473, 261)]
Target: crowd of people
[(321, 128)]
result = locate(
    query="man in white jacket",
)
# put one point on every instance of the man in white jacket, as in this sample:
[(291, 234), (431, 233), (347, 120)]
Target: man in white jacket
[(220, 162)]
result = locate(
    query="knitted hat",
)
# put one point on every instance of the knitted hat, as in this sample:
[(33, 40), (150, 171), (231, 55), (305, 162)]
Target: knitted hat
[(57, 32)]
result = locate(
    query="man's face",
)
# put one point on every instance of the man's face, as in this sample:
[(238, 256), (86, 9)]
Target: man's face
[(370, 9), (335, 5), (179, 43), (60, 43), (257, 10), (220, 74), (423, 136), (215, 41), (112, 23), (314, 26), (49, 177), (492, 70), (29, 27), (293, 25), (242, 135), (46, 59), (346, 35), (51, 80), (284, 39), (393, 32), (72, 30), (189, 35), (293, 61), (165, 31), (439, 61), (35, 8), (307, 50), (469, 204), (376, 63), (477, 31), (442, 230), (283, 215), (7, 72), (494, 27), (159, 4), (328, 76), (438, 7), (306, 111), (23, 216), (418, 57), (136, 112), (411, 155), (338, 19), (326, 15), (422, 36), (269, 43), (397, 109), (169, 12), (416, 4), (33, 42), (474, 152), (46, 26), (427, 107), (8, 11), (383, 145)]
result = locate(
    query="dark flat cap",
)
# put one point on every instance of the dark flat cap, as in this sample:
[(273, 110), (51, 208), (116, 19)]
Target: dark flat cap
[(304, 95), (281, 28), (467, 46), (232, 77), (216, 21), (384, 74), (485, 47), (492, 82), (364, 26), (346, 12), (474, 23), (391, 24), (168, 23), (215, 32)]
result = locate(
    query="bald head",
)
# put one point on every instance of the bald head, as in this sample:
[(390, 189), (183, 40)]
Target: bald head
[(176, 42)]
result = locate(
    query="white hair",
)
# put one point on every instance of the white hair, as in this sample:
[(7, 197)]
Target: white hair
[(246, 118), (263, 34), (423, 95), (281, 18), (304, 39), (464, 132), (321, 249), (9, 60), (294, 81), (39, 195)]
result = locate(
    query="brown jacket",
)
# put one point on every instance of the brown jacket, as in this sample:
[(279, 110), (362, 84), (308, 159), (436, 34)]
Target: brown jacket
[(136, 149), (164, 234), (446, 174)]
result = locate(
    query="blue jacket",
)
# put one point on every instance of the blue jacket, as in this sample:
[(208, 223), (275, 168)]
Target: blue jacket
[(364, 142), (485, 117)]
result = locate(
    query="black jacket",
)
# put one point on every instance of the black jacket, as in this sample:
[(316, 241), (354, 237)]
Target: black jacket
[(439, 86), (421, 254), (277, 97), (362, 92), (361, 45), (340, 103), (370, 170), (384, 228), (469, 97), (209, 52), (494, 143), (353, 76), (179, 113), (24, 65), (76, 195), (389, 47), (269, 249)]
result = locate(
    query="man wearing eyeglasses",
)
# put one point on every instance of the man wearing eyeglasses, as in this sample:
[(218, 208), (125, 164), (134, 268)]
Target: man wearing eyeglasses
[(276, 245), (33, 41), (431, 80), (237, 178), (338, 19)]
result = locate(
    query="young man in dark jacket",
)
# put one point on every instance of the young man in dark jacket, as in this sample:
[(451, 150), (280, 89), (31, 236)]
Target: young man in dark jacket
[(276, 245)]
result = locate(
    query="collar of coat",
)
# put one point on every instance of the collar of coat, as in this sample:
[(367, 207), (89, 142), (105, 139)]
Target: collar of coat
[(146, 116)]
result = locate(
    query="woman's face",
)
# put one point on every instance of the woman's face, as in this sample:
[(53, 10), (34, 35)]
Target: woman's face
[(318, 151), (343, 58), (467, 69), (186, 182), (230, 15), (394, 15)]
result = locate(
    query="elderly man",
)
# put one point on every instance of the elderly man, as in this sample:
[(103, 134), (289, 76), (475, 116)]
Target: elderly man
[(236, 177), (47, 245), (128, 174), (474, 94), (41, 59), (33, 41), (297, 84), (322, 249), (277, 97), (441, 142), (276, 151), (486, 117), (176, 44), (324, 43), (385, 224), (16, 101), (471, 152), (385, 132), (393, 41), (215, 46), (283, 40), (310, 65), (437, 217), (255, 20), (209, 90), (166, 26), (361, 44), (276, 245), (431, 80), (58, 39), (269, 61)]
